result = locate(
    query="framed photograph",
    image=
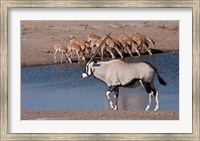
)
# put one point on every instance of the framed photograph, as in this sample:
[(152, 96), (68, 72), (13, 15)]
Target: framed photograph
[(99, 70)]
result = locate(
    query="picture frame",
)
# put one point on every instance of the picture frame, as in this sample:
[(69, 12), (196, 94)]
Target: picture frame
[(6, 5)]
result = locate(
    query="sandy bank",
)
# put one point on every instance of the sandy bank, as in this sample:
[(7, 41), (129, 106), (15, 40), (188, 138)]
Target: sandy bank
[(98, 115)]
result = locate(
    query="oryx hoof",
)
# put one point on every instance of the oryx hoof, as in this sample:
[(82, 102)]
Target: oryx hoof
[(147, 108), (112, 107), (115, 108), (156, 108)]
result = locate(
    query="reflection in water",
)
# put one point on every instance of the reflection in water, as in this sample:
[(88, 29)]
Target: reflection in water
[(61, 87)]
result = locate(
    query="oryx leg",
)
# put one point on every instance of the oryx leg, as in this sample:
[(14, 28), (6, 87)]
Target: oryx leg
[(110, 90), (150, 89), (155, 94), (157, 102), (116, 98), (109, 99), (149, 104)]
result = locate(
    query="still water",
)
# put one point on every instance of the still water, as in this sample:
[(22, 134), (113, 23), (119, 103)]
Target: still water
[(61, 87)]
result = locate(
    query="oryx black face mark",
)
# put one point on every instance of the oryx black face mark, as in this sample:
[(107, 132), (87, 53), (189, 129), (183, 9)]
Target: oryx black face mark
[(88, 70), (85, 73)]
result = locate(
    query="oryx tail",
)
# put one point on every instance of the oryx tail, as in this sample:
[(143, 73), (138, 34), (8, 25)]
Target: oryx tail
[(160, 79)]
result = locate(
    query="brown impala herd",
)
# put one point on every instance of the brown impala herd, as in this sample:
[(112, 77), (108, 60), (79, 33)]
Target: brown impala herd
[(124, 44)]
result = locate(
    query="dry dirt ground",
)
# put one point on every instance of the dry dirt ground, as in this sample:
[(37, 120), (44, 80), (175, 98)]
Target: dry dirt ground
[(98, 115), (39, 37)]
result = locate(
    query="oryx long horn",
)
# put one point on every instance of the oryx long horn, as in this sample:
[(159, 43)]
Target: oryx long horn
[(98, 48)]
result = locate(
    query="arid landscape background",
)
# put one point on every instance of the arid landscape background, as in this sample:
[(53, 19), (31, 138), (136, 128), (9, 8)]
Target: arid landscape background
[(39, 37)]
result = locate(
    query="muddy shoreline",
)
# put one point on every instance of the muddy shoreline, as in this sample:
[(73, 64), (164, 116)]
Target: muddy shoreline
[(37, 64), (27, 114)]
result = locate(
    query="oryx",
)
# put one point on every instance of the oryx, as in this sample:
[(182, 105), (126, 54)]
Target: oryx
[(116, 73)]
